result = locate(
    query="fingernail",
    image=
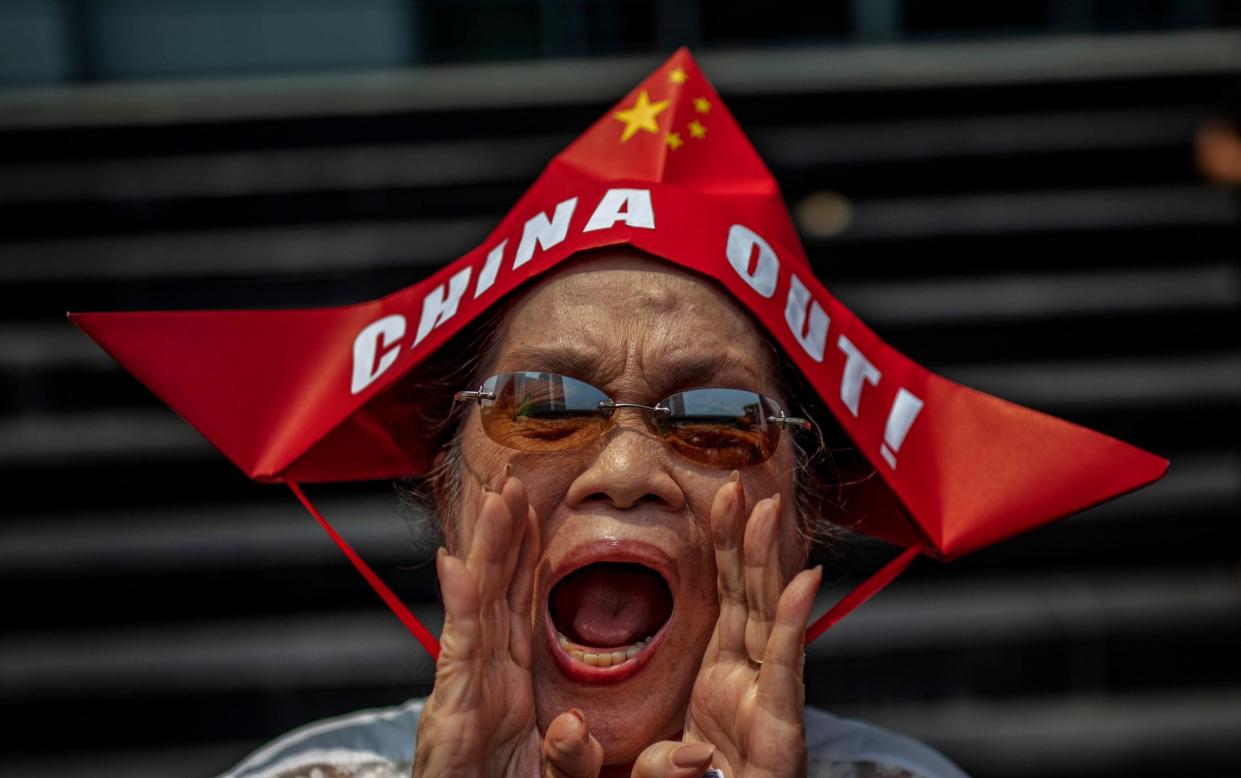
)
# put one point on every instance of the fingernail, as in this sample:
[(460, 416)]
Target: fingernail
[(775, 500), (818, 574), (734, 476), (503, 479), (692, 754), (440, 553), (581, 724)]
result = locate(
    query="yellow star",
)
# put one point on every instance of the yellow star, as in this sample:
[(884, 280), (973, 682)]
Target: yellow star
[(641, 116), (677, 76), (702, 105), (697, 130), (674, 140)]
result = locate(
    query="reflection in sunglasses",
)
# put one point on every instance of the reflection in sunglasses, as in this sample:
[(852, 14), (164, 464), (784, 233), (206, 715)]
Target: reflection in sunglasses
[(545, 412)]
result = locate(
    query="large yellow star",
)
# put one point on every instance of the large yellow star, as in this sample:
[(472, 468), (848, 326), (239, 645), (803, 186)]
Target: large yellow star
[(641, 116)]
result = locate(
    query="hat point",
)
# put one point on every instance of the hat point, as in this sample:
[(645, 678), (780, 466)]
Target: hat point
[(673, 127)]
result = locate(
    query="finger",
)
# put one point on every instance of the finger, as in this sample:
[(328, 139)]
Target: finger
[(673, 759), (727, 526), (490, 547), (462, 635), (569, 750), (521, 592), (513, 491), (764, 579), (486, 560), (780, 687)]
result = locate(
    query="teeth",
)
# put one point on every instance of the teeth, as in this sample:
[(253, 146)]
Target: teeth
[(602, 658)]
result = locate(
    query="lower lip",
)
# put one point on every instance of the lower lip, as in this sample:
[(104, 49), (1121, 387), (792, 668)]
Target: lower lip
[(584, 673)]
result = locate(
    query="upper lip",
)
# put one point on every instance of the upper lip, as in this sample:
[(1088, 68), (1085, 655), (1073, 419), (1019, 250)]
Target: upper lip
[(615, 550)]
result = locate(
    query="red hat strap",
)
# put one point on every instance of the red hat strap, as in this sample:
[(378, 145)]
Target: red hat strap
[(860, 594), (420, 633), (863, 592)]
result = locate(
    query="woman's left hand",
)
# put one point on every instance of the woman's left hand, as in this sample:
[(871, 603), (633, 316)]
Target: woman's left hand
[(748, 700)]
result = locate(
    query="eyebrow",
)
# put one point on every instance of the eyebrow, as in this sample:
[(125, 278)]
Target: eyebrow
[(702, 370), (681, 374), (570, 362)]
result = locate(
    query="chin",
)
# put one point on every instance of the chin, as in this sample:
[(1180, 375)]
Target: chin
[(618, 637)]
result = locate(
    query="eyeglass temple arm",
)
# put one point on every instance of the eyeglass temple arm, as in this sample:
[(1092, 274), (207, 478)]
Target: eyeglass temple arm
[(473, 394), (795, 421)]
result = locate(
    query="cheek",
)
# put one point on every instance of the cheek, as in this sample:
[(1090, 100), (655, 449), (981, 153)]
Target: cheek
[(703, 587), (482, 461), (778, 476), (547, 477), (794, 550), (545, 490)]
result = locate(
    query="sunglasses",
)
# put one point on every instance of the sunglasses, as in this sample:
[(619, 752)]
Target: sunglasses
[(542, 412)]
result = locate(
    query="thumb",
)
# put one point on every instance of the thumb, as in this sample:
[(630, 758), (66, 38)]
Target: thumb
[(673, 759), (569, 750)]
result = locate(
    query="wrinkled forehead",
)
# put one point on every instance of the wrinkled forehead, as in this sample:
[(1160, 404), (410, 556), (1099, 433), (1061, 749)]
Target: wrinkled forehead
[(625, 316)]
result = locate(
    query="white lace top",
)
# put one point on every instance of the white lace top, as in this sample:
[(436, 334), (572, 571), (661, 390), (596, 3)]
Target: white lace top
[(379, 743)]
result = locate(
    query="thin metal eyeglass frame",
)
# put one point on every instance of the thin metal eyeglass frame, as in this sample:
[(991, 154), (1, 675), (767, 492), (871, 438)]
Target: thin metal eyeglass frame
[(609, 405)]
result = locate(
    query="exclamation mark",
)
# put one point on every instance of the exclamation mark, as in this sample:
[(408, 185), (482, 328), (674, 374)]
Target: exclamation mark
[(904, 410)]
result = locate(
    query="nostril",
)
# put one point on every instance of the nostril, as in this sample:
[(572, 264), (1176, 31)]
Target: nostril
[(619, 502), (653, 498)]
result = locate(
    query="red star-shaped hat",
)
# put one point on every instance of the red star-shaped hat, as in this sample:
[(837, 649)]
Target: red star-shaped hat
[(302, 395)]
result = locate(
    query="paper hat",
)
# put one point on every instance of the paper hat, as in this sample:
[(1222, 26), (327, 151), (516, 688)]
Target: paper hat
[(300, 395)]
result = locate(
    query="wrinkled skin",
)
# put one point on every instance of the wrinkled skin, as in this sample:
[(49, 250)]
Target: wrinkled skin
[(500, 705)]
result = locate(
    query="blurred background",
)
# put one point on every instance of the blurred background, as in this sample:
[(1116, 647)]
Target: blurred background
[(1032, 197)]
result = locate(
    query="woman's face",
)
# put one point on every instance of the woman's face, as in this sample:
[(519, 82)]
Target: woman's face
[(626, 551)]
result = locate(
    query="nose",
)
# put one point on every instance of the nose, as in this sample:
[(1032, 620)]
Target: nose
[(633, 466)]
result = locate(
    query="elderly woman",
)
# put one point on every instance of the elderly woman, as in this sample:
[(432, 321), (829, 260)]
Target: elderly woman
[(624, 591), (618, 589), (626, 506)]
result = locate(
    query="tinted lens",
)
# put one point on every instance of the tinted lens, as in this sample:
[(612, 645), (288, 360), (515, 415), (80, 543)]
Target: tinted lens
[(542, 411), (721, 427)]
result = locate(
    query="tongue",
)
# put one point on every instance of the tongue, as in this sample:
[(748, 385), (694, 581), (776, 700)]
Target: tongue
[(607, 605)]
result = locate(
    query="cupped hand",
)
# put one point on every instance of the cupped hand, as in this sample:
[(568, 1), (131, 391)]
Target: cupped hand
[(480, 717), (747, 705)]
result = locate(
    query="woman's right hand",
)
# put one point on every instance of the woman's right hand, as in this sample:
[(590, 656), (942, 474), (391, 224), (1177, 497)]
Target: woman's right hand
[(480, 717)]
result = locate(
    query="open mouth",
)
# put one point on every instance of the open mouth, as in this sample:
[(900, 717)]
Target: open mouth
[(606, 619)]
